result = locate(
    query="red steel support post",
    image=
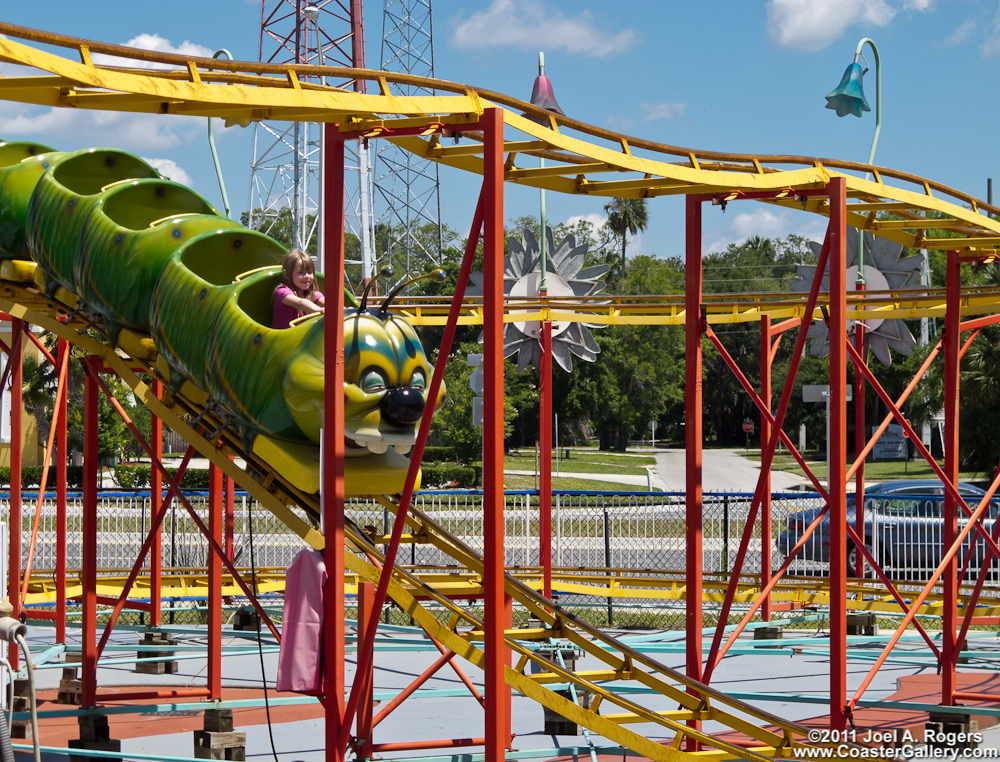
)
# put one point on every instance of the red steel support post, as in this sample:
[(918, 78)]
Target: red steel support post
[(230, 528), (91, 476), (765, 435), (333, 440), (692, 445), (62, 350), (16, 359), (949, 578), (155, 498), (838, 451), (545, 460), (493, 388), (366, 605), (215, 584), (860, 440)]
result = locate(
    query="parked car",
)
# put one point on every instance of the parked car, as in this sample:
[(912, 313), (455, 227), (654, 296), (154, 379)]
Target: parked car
[(904, 528)]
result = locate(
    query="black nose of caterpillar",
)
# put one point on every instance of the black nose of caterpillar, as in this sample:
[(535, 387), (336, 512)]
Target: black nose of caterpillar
[(403, 406)]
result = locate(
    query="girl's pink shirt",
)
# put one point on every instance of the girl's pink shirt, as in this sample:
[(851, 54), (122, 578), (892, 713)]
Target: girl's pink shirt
[(283, 313)]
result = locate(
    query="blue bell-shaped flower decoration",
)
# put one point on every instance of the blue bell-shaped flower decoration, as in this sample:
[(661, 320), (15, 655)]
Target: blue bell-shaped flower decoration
[(849, 97)]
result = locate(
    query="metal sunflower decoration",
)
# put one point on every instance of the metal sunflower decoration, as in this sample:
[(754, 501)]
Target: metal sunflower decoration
[(565, 276), (884, 271)]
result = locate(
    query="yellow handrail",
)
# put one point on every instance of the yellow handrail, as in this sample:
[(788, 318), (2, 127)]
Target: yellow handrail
[(154, 223), (248, 273), (303, 318), (118, 182)]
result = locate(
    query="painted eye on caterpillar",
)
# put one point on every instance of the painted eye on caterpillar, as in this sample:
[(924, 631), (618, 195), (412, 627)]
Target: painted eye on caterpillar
[(373, 381)]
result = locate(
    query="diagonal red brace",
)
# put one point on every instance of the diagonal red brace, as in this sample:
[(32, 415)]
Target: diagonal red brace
[(143, 552), (408, 691), (41, 347), (858, 543), (364, 651), (60, 394), (767, 456), (458, 671), (172, 483), (919, 447), (860, 458), (919, 600)]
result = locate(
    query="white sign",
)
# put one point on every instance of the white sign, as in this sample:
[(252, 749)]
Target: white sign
[(891, 445), (819, 393)]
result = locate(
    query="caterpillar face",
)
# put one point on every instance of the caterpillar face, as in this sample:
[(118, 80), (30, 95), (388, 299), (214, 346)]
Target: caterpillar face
[(386, 383)]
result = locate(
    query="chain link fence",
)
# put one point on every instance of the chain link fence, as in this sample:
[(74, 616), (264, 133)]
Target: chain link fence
[(627, 533)]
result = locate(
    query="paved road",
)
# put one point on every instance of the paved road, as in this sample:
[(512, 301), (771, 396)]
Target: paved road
[(722, 470), (632, 479)]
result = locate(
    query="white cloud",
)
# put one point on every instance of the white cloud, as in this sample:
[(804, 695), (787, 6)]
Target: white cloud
[(960, 35), (650, 113), (815, 24), (170, 170), (669, 111), (991, 46), (17, 70), (594, 218), (82, 127), (155, 43), (764, 222), (619, 123), (529, 25)]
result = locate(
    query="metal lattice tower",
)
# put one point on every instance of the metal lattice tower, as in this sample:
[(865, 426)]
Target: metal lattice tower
[(286, 156), (406, 186)]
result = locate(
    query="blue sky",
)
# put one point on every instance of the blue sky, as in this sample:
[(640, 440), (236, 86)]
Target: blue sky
[(734, 75)]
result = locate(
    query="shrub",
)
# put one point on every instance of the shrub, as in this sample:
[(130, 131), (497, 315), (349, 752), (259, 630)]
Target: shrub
[(194, 478), (131, 477), (450, 474), (31, 476), (439, 454)]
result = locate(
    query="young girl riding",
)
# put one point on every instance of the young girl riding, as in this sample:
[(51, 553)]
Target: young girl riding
[(296, 295)]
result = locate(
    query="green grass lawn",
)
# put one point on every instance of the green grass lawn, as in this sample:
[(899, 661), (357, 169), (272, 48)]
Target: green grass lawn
[(584, 461), (874, 471), (513, 481)]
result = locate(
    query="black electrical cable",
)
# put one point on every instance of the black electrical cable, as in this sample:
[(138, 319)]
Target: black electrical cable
[(260, 646)]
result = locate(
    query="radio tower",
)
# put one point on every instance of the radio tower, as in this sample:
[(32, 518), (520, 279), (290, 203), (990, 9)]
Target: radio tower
[(284, 175), (407, 185)]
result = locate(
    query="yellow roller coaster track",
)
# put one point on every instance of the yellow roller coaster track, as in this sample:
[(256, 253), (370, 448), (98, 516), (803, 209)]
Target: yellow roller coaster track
[(771, 736), (599, 583), (581, 157), (582, 160)]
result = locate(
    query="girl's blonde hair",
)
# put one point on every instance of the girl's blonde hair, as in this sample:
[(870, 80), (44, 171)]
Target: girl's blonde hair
[(293, 259)]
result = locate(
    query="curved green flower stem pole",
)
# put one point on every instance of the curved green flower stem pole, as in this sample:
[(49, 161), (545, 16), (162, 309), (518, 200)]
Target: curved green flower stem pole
[(871, 154), (544, 403), (211, 144)]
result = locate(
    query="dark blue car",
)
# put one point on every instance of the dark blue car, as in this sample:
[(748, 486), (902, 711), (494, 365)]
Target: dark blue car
[(903, 527)]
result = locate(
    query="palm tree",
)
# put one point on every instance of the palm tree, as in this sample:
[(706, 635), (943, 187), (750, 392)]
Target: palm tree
[(626, 215), (39, 381)]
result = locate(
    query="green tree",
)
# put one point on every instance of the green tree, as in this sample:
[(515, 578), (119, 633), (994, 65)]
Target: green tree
[(637, 376), (280, 228), (758, 265), (452, 426), (626, 216), (38, 389)]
